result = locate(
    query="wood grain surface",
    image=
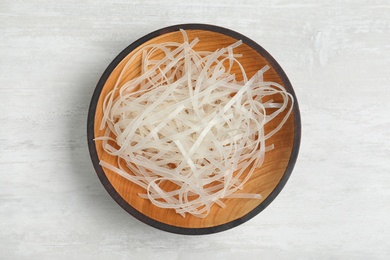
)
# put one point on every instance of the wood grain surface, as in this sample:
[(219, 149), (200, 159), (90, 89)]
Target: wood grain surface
[(336, 204), (264, 179)]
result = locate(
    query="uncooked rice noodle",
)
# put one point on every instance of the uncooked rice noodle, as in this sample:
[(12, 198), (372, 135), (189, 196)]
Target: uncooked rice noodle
[(189, 124)]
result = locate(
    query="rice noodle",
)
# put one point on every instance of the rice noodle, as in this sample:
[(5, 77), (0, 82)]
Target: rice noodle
[(187, 130)]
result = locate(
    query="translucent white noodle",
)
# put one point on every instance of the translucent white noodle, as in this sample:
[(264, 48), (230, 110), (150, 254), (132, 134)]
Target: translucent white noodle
[(187, 130)]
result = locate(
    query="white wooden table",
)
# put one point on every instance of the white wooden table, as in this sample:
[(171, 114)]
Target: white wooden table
[(336, 204)]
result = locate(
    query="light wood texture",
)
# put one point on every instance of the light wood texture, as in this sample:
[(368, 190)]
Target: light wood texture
[(336, 204), (264, 179)]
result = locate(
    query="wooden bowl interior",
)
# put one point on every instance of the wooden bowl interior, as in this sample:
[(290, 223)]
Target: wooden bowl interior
[(263, 181)]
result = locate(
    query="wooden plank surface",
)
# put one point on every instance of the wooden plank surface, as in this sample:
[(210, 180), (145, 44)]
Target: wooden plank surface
[(337, 201)]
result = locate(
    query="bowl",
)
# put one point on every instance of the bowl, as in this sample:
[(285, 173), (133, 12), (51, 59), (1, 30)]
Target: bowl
[(268, 180)]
